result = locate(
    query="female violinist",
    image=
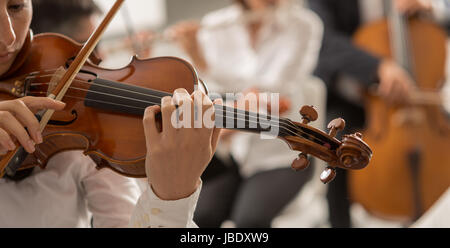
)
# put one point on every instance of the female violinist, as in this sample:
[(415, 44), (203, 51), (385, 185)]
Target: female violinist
[(253, 46), (69, 188)]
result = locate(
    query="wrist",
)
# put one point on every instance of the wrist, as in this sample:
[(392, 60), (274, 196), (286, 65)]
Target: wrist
[(172, 192)]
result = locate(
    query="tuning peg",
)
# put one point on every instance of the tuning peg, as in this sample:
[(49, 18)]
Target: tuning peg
[(301, 162), (328, 175), (309, 114), (335, 126)]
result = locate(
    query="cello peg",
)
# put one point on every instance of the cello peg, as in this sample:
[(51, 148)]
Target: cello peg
[(301, 162), (308, 113), (328, 175), (336, 126)]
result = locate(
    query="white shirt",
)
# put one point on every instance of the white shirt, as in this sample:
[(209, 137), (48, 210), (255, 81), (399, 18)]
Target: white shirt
[(285, 56), (438, 215), (71, 190)]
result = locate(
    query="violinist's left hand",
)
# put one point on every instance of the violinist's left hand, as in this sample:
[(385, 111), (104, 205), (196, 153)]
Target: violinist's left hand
[(413, 6), (177, 157)]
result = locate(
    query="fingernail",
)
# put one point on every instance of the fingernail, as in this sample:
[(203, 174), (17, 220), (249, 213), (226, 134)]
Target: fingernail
[(12, 146), (39, 137), (31, 146)]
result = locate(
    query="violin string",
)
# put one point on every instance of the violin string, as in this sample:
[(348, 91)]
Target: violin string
[(125, 90), (149, 95), (290, 125), (288, 128), (143, 101), (271, 121), (101, 85), (123, 105), (290, 131), (158, 97)]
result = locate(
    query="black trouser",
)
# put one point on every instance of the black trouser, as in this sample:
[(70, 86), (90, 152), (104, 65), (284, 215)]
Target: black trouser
[(249, 202), (337, 194)]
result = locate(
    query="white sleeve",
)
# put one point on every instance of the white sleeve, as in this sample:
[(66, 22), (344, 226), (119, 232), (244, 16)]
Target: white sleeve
[(152, 212), (441, 10), (111, 197)]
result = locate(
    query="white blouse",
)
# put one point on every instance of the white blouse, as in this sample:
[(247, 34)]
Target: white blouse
[(285, 56), (71, 191)]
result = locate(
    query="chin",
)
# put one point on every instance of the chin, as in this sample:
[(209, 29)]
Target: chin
[(4, 67)]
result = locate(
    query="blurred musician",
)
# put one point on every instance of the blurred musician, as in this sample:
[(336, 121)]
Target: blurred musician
[(275, 52), (76, 19), (341, 62)]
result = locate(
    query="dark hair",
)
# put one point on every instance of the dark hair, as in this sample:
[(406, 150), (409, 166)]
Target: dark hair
[(61, 16)]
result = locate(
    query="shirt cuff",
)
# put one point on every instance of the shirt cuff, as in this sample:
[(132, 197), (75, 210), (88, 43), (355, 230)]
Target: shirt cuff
[(152, 212)]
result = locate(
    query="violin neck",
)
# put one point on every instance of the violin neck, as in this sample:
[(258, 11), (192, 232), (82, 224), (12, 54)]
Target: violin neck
[(129, 99), (237, 119)]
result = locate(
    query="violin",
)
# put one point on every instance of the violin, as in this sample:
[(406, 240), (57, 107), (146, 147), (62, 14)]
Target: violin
[(410, 170), (104, 108)]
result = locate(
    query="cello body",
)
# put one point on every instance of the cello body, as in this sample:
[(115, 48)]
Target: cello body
[(410, 168)]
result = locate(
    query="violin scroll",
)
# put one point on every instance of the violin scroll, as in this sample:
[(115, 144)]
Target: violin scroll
[(352, 153)]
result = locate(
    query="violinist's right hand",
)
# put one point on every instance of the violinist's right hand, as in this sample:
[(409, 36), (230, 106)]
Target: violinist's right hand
[(185, 34), (395, 83), (18, 114)]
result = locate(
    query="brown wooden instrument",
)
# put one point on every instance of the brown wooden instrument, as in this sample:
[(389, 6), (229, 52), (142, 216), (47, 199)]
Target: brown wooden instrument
[(411, 165), (104, 109)]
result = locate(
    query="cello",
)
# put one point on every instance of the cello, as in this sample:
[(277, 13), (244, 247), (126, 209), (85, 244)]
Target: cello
[(411, 166), (104, 108)]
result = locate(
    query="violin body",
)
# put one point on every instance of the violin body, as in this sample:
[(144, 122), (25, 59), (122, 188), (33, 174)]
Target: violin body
[(108, 136), (410, 168)]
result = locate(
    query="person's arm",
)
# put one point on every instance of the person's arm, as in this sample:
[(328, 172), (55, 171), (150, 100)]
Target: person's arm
[(338, 54), (110, 197)]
